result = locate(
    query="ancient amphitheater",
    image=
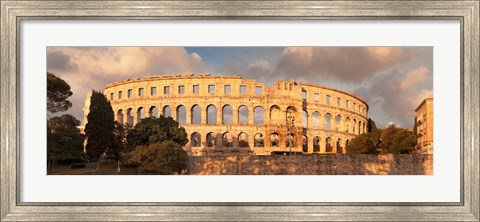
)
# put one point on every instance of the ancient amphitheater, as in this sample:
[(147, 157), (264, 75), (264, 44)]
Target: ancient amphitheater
[(224, 114)]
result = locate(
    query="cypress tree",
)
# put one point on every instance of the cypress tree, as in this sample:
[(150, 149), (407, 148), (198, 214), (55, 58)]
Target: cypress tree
[(100, 126)]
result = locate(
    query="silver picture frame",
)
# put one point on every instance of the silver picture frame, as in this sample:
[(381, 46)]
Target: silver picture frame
[(14, 12)]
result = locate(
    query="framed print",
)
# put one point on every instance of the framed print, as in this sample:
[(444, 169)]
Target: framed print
[(239, 110)]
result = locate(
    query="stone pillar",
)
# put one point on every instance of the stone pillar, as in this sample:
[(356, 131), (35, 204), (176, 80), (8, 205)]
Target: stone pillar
[(266, 116), (219, 114), (174, 111), (251, 116), (203, 116), (188, 114), (125, 116), (251, 139), (266, 139), (310, 143), (135, 116), (235, 115), (333, 125), (321, 120)]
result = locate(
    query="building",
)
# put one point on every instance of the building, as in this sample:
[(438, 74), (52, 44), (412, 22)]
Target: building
[(424, 118), (224, 114)]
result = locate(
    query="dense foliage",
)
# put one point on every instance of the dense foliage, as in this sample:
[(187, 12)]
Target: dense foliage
[(362, 144), (165, 157), (64, 140), (156, 130), (397, 140), (57, 93), (155, 146), (100, 126)]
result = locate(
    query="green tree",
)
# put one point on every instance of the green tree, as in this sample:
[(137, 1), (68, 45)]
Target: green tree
[(100, 126), (57, 93), (403, 142), (362, 144), (397, 140), (165, 157), (118, 149), (156, 130), (64, 140), (372, 128)]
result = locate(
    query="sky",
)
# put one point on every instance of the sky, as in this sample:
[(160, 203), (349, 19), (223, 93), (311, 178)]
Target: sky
[(392, 80)]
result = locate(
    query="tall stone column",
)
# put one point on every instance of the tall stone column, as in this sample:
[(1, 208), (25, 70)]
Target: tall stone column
[(310, 142), (251, 116), (219, 114), (203, 116), (135, 116), (188, 114), (235, 115)]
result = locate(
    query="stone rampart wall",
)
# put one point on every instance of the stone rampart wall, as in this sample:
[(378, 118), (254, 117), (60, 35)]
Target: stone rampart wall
[(361, 164)]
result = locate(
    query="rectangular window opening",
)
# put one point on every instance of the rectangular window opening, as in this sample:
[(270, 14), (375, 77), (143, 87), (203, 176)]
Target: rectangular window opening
[(181, 89), (258, 90), (243, 89), (153, 91), (196, 89), (211, 88), (166, 90)]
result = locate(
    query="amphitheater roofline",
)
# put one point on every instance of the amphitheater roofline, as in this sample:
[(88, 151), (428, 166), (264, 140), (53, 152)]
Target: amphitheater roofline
[(171, 76), (336, 90)]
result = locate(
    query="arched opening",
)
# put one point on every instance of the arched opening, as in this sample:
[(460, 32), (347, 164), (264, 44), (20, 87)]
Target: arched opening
[(304, 143), (290, 141), (181, 114), (316, 119), (337, 122), (167, 111), (258, 115), (211, 114), (316, 144), (276, 115), (242, 115), (347, 125), (196, 114), (359, 127), (346, 143), (304, 119), (328, 121), (227, 114), (354, 124), (258, 140), (290, 116), (140, 114), (328, 144), (120, 116), (274, 140), (227, 140), (130, 116), (153, 112), (243, 140), (196, 140), (211, 140), (339, 146)]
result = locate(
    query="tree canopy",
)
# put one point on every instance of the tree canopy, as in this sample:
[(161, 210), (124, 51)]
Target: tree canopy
[(362, 144), (397, 140), (64, 140), (156, 130), (57, 93), (166, 157), (100, 126)]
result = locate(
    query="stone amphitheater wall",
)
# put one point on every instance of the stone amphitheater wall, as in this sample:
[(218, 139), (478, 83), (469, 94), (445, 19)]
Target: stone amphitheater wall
[(249, 118), (354, 164)]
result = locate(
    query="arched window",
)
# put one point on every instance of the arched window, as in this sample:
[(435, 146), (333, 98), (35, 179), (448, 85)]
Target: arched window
[(243, 140), (196, 114), (338, 122), (354, 124), (153, 112), (258, 115), (290, 141), (347, 125), (274, 140), (130, 116), (316, 144), (181, 114), (211, 140), (328, 144), (211, 114), (359, 127), (120, 116), (227, 140), (276, 115), (196, 140), (305, 143), (242, 115), (227, 114), (316, 119), (167, 111), (346, 143), (140, 114), (290, 115), (304, 119), (339, 146), (258, 140), (328, 121)]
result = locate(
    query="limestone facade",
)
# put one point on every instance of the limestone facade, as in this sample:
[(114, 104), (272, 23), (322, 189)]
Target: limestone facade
[(224, 114), (424, 115)]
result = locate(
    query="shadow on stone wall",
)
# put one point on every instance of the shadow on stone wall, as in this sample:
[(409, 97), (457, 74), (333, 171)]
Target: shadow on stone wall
[(340, 164)]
